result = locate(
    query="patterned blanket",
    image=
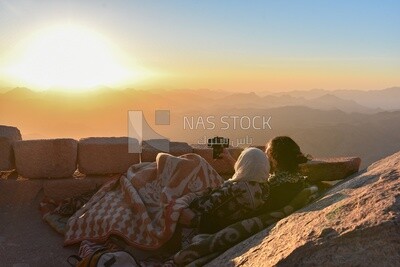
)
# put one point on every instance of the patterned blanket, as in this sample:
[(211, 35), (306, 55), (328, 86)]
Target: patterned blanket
[(211, 246), (207, 247), (144, 204)]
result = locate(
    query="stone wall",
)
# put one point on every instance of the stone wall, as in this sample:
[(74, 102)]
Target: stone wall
[(89, 162), (51, 158), (8, 135), (92, 156)]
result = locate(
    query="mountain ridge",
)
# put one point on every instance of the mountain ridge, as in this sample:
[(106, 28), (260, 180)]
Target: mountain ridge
[(320, 129)]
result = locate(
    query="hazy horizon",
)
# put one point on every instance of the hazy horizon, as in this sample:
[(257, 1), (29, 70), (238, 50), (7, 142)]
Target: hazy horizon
[(262, 92)]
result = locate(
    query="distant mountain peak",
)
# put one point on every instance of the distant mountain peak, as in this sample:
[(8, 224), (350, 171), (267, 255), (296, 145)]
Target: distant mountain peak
[(20, 89), (249, 94), (328, 96), (20, 92)]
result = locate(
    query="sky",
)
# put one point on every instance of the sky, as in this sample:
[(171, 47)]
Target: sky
[(229, 45)]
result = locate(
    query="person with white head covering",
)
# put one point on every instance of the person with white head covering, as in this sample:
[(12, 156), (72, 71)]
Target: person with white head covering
[(252, 165), (237, 198)]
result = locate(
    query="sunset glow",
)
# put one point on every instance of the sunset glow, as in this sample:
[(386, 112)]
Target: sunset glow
[(263, 46), (68, 57)]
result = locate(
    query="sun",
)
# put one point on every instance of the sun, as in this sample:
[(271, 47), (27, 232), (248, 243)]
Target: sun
[(69, 57)]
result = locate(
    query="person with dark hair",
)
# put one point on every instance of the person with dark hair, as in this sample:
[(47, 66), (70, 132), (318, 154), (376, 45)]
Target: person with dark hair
[(284, 155), (285, 180)]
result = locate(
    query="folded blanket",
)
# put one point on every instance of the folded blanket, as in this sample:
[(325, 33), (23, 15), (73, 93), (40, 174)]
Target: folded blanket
[(144, 204)]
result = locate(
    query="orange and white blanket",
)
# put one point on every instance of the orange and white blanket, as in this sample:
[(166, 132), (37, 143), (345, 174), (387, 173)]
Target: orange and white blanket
[(144, 204)]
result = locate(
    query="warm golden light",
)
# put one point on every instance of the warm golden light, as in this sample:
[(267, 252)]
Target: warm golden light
[(69, 57)]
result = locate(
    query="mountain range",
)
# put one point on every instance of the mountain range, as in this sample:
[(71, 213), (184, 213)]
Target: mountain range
[(324, 123), (386, 99)]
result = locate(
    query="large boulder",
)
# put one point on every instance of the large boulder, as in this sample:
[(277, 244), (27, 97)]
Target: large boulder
[(8, 135), (330, 169), (105, 155), (47, 158), (356, 223)]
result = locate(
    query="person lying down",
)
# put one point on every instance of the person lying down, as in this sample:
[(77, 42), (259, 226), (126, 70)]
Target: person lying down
[(248, 193)]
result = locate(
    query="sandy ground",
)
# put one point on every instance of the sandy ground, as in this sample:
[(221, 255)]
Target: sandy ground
[(25, 240)]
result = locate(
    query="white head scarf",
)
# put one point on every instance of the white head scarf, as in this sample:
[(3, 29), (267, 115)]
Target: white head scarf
[(252, 165)]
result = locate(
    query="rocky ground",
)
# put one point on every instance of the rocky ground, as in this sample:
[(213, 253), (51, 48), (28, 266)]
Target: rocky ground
[(356, 223), (25, 240)]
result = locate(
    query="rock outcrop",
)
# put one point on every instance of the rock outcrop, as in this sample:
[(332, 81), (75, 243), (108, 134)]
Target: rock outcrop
[(8, 135), (356, 223), (330, 169)]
